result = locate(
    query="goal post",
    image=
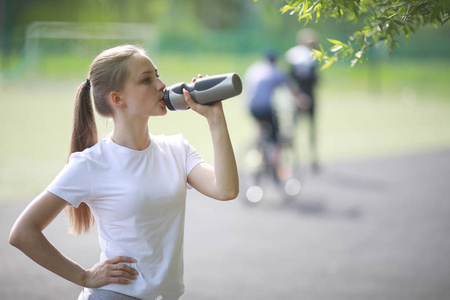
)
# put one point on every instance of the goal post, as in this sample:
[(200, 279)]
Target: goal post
[(83, 39)]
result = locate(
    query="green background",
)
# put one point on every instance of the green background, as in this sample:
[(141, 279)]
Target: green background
[(389, 106)]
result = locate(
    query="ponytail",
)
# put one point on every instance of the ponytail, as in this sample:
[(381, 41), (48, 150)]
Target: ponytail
[(84, 135), (107, 73), (84, 130)]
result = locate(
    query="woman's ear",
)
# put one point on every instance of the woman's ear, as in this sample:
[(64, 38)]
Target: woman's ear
[(116, 99)]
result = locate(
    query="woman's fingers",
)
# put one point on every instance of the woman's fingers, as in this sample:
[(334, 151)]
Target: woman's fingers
[(199, 76), (188, 98), (118, 280), (114, 270), (123, 274), (204, 110), (120, 259), (123, 268)]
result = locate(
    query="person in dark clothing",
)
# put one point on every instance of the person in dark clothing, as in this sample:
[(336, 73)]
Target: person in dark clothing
[(303, 72)]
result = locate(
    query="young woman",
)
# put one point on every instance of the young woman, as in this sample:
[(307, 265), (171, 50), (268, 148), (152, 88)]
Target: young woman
[(132, 183)]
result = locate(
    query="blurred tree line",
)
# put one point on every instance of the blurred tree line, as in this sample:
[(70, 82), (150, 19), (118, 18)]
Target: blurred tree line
[(184, 25), (239, 26)]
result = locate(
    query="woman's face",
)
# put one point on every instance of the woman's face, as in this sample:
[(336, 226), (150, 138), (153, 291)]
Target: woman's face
[(143, 90)]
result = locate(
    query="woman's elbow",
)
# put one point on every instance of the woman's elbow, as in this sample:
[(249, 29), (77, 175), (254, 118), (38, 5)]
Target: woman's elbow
[(15, 238), (230, 194), (18, 236)]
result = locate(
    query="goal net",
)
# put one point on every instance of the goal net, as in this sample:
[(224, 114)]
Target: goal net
[(48, 40)]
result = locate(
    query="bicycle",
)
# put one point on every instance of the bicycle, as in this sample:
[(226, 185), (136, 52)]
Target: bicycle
[(272, 169)]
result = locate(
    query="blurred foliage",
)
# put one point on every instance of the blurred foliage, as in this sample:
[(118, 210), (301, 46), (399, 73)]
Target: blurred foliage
[(175, 18), (208, 37), (241, 27), (379, 21)]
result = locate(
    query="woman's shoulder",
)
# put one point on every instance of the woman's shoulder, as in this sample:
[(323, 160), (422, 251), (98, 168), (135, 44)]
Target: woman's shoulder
[(89, 153)]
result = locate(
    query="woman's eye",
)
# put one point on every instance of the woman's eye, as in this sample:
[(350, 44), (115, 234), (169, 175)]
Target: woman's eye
[(146, 79)]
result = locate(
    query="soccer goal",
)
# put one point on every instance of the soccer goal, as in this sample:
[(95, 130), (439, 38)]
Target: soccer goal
[(44, 40)]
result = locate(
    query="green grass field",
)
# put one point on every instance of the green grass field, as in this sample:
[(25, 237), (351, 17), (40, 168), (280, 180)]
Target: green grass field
[(398, 107)]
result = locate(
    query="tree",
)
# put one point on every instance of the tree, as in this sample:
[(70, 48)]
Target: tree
[(378, 21)]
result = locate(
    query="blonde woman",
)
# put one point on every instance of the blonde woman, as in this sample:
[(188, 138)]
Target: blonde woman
[(132, 183)]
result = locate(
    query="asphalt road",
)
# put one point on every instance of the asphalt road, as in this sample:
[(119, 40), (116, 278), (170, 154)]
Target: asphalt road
[(375, 229)]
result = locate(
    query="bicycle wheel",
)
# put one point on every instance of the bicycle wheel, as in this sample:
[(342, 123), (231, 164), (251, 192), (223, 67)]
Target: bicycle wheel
[(251, 175), (289, 170)]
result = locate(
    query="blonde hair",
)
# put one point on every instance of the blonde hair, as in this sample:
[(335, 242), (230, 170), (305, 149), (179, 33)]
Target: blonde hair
[(107, 73)]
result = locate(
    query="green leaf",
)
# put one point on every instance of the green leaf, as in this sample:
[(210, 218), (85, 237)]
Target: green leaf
[(392, 46), (310, 9), (285, 8), (336, 48), (321, 48), (395, 28), (318, 55), (328, 63), (336, 42)]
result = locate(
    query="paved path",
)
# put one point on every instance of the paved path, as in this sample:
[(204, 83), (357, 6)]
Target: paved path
[(373, 229)]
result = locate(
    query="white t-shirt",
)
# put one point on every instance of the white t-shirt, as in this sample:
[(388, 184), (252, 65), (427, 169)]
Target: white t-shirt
[(138, 201), (300, 54), (300, 57)]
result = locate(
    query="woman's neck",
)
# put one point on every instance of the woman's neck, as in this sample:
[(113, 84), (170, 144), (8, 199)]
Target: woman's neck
[(136, 137)]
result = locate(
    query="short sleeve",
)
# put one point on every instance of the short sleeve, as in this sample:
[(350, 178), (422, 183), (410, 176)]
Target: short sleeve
[(73, 183), (192, 157)]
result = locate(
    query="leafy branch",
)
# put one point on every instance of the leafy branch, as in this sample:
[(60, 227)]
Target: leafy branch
[(383, 21)]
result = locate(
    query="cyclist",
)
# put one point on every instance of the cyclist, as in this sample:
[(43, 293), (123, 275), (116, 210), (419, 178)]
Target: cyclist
[(261, 80), (304, 74)]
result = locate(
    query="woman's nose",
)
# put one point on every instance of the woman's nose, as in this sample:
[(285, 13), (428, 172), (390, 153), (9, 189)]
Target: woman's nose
[(162, 85)]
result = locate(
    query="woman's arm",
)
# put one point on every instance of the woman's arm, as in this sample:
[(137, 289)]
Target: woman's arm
[(220, 182), (27, 236)]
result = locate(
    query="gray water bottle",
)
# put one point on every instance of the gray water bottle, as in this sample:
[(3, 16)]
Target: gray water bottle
[(204, 90)]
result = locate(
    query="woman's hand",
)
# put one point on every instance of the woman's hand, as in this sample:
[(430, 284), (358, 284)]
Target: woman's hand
[(27, 236), (209, 110), (220, 182), (111, 271)]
